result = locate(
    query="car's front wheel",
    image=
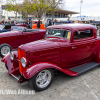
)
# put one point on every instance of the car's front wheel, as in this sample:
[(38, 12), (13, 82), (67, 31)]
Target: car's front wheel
[(4, 49), (42, 80)]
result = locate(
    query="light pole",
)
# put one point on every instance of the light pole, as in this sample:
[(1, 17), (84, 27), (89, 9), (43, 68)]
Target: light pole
[(0, 10), (80, 7)]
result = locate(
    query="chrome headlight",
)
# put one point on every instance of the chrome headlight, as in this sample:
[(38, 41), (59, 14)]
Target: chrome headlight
[(11, 56), (23, 61)]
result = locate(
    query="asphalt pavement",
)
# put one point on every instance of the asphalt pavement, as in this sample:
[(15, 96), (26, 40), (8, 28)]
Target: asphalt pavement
[(64, 87)]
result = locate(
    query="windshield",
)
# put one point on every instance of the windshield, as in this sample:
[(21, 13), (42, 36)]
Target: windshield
[(1, 27), (14, 28), (58, 32), (55, 32)]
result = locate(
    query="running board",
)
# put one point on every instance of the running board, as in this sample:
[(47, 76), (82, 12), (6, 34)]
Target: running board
[(83, 68)]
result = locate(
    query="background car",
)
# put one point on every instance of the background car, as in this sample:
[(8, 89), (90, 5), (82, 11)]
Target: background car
[(61, 22), (19, 35), (21, 23), (96, 23), (7, 27)]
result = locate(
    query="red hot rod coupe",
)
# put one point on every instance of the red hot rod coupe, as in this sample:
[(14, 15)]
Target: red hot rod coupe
[(70, 48), (16, 37)]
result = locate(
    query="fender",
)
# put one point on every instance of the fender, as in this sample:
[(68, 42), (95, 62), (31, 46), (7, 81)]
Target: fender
[(34, 69), (13, 66)]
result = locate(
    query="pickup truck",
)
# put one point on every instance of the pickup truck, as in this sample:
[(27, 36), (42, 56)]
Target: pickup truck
[(70, 48)]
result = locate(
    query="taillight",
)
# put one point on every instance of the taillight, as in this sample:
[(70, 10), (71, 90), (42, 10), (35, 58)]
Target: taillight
[(21, 54)]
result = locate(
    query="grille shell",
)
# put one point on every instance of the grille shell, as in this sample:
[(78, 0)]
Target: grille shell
[(21, 54)]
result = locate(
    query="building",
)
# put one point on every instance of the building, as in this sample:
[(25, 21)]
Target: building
[(85, 18), (59, 14)]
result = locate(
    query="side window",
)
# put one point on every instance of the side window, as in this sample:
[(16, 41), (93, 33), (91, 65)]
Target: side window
[(83, 34), (67, 35)]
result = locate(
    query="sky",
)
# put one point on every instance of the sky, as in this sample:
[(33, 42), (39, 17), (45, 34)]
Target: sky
[(88, 8)]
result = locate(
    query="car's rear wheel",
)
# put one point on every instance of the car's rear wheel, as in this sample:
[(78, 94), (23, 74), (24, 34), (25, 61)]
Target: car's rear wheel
[(42, 80), (4, 49)]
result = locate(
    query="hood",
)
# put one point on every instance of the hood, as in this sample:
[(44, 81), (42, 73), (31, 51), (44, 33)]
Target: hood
[(49, 42)]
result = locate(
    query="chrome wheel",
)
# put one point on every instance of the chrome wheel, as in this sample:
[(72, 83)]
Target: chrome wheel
[(43, 78), (5, 50)]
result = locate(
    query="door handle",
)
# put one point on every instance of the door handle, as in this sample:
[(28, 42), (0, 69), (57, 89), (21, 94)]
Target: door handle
[(73, 47)]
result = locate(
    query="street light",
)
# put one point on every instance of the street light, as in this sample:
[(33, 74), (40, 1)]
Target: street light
[(1, 10), (80, 7)]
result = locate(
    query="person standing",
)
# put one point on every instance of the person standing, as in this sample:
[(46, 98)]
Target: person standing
[(3, 21), (38, 24), (15, 22), (0, 22), (50, 23), (68, 21), (29, 26), (46, 23), (9, 21)]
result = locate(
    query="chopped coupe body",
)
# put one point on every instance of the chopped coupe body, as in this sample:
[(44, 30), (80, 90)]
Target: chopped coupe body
[(70, 48)]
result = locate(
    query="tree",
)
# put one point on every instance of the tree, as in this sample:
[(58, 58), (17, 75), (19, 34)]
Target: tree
[(39, 7), (34, 7), (12, 5), (54, 6)]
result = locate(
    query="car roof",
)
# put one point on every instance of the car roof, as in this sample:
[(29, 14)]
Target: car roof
[(61, 22), (72, 26)]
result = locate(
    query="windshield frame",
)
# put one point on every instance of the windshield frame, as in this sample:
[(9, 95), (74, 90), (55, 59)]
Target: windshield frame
[(59, 36), (18, 27), (2, 27)]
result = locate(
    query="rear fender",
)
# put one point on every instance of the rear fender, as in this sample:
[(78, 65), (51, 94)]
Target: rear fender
[(13, 66), (34, 69)]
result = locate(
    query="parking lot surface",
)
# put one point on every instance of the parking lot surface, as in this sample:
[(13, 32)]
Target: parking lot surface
[(64, 87)]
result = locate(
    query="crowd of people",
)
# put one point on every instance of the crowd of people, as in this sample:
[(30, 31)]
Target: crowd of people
[(30, 23), (38, 24), (47, 23), (4, 22)]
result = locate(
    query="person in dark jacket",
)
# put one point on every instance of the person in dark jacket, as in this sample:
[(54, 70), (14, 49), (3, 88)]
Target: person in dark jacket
[(50, 23), (3, 21), (30, 24), (38, 24)]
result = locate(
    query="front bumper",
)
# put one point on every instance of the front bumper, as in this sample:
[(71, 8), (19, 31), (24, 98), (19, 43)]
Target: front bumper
[(13, 66)]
